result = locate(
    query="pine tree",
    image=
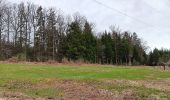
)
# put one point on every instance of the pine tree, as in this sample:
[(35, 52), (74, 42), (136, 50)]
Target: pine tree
[(89, 42), (74, 48), (156, 57), (108, 48)]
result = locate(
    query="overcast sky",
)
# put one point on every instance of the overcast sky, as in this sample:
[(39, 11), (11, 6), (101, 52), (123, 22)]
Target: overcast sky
[(149, 18)]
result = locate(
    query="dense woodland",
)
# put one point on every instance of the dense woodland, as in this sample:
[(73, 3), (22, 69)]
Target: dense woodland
[(159, 57), (32, 33)]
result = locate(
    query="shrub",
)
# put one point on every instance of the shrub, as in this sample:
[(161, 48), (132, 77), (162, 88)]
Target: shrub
[(21, 57), (13, 59), (65, 61)]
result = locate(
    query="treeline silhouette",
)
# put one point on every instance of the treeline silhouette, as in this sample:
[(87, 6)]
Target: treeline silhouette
[(32, 33)]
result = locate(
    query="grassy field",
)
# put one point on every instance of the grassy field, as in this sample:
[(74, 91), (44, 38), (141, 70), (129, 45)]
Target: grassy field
[(83, 82)]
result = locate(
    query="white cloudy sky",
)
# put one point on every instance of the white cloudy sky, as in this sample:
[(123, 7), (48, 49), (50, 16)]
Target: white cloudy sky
[(152, 17)]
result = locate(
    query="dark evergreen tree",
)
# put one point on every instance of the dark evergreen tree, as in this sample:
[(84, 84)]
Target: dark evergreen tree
[(107, 44), (89, 44), (74, 48)]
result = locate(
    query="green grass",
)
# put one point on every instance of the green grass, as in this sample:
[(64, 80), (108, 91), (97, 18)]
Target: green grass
[(34, 72), (23, 77)]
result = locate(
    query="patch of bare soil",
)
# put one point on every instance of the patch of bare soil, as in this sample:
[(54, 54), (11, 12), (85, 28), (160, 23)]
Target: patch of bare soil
[(74, 90), (79, 90), (71, 90), (15, 96), (20, 96), (163, 84), (73, 95)]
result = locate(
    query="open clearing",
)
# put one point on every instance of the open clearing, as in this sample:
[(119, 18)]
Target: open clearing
[(64, 82)]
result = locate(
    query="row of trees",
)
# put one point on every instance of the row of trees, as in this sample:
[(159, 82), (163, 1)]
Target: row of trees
[(29, 31), (159, 57), (34, 33), (113, 47)]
